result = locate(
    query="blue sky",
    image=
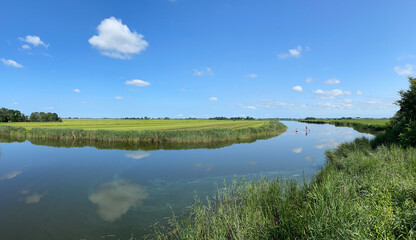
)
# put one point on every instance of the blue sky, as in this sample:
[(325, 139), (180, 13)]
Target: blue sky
[(189, 58)]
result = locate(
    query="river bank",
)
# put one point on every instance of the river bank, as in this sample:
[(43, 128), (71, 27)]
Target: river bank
[(196, 135)]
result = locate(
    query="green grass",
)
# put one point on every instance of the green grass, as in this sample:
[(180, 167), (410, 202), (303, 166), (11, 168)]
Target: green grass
[(120, 124), (144, 131), (361, 125), (362, 193)]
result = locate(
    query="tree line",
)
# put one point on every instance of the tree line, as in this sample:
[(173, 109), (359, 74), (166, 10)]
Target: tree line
[(232, 118), (11, 115)]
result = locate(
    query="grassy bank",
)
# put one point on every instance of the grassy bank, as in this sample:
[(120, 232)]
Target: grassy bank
[(203, 131), (361, 125), (362, 193)]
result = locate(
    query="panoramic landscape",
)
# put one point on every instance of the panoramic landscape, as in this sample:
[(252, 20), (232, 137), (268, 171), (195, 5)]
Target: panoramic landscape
[(178, 119)]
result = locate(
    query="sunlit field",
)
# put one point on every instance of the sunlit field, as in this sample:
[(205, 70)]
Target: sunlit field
[(119, 124)]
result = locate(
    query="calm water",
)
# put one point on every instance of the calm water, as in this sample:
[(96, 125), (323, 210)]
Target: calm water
[(85, 193)]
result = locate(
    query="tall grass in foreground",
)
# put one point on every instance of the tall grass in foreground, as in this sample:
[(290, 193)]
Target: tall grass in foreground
[(362, 193)]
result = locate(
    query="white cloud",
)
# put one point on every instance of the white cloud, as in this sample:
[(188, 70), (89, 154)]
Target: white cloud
[(332, 81), (332, 94), (25, 46), (48, 108), (359, 93), (83, 102), (251, 107), (118, 98), (408, 69), (34, 40), (202, 72), (137, 155), (137, 83), (10, 175), (252, 75), (34, 198), (297, 150), (292, 53), (309, 80), (297, 89), (114, 199), (116, 40), (213, 99), (76, 90), (334, 106), (11, 63)]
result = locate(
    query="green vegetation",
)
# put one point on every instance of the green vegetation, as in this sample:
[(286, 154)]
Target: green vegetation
[(10, 115), (362, 193), (369, 125), (123, 124), (367, 190), (150, 131)]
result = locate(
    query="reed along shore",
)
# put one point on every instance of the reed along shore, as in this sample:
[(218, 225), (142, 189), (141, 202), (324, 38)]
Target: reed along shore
[(269, 129)]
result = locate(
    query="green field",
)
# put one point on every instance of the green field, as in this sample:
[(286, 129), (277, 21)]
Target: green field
[(133, 132), (119, 124), (369, 125)]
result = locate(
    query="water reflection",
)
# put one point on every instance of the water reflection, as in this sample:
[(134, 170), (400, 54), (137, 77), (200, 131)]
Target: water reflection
[(297, 150), (137, 155), (10, 175), (115, 198), (34, 198)]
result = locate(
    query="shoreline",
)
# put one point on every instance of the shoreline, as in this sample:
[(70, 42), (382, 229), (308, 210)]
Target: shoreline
[(71, 136)]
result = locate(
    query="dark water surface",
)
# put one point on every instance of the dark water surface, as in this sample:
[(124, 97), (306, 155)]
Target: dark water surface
[(86, 193)]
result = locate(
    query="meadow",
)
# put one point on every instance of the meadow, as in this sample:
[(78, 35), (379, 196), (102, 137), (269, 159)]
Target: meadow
[(144, 131), (369, 125), (121, 124)]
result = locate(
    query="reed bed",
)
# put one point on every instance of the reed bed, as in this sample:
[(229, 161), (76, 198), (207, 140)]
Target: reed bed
[(362, 193), (205, 135), (361, 125)]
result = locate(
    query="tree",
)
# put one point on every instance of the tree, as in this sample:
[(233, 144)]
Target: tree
[(402, 127)]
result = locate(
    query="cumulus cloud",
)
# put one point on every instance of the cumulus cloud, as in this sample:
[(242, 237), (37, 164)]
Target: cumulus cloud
[(137, 155), (408, 69), (119, 97), (34, 198), (332, 94), (11, 63), (137, 83), (10, 175), (202, 72), (309, 80), (115, 39), (213, 99), (332, 81), (25, 46), (34, 40), (252, 75), (297, 150), (115, 198), (293, 53), (359, 93), (297, 89), (76, 90)]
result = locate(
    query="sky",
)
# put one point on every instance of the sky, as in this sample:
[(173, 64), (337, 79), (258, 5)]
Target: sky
[(187, 58)]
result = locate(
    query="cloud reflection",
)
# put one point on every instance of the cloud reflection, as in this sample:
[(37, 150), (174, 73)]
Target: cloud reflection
[(115, 198), (297, 150), (10, 175), (34, 198), (137, 155)]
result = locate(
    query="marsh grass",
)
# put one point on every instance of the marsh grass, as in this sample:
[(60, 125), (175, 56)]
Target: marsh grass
[(360, 125), (362, 193), (156, 137)]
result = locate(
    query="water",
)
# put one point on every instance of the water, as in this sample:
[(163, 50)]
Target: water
[(86, 193)]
